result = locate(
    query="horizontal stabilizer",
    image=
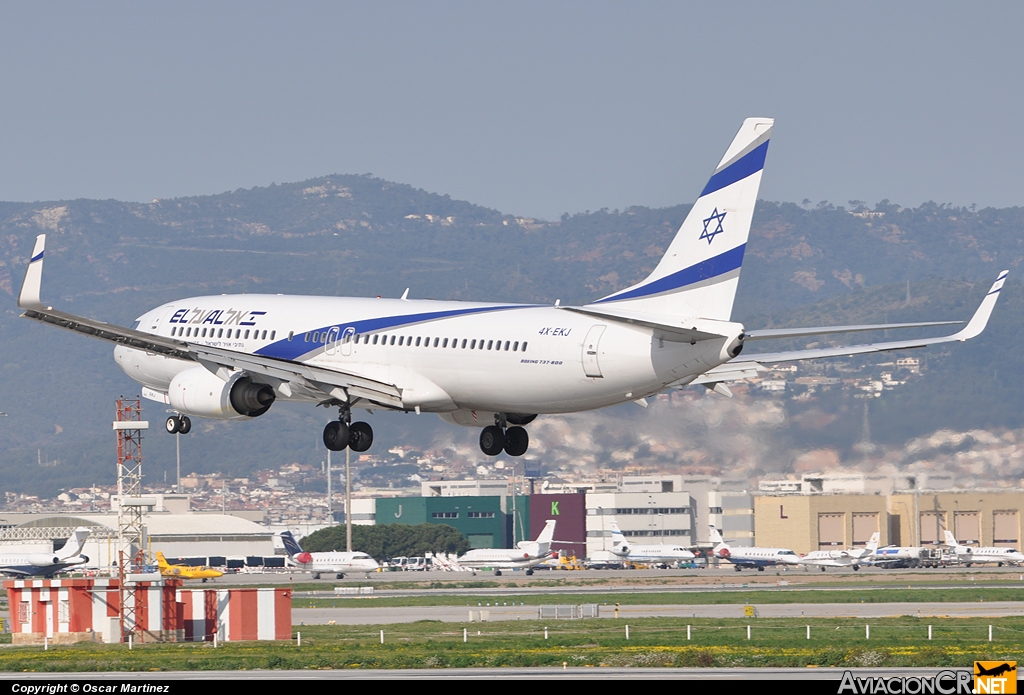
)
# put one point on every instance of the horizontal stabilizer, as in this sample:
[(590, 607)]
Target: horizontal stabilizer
[(674, 332), (771, 333)]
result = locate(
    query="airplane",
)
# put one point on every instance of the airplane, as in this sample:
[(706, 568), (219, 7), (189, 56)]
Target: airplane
[(185, 571), (647, 553), (841, 558), (526, 555), (490, 366), (335, 562), (983, 556), (752, 557), (46, 564)]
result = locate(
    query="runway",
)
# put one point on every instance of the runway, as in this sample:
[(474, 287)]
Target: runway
[(461, 614)]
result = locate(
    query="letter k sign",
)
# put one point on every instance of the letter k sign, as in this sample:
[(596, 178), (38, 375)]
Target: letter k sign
[(554, 509)]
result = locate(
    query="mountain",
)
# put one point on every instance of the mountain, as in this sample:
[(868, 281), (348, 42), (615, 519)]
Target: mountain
[(359, 235)]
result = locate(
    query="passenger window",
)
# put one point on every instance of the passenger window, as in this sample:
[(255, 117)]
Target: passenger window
[(305, 337), (375, 339), (506, 346), (204, 332), (272, 334), (401, 339), (264, 336), (392, 340), (490, 343), (463, 343), (291, 334), (316, 336), (246, 333), (472, 346), (445, 343), (524, 346), (323, 337), (438, 340), (417, 341), (515, 346)]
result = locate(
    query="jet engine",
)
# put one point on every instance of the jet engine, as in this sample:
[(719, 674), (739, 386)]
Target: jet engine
[(42, 560), (197, 391)]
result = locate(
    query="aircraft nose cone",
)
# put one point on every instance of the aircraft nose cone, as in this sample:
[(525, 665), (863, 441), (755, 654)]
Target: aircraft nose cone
[(304, 558)]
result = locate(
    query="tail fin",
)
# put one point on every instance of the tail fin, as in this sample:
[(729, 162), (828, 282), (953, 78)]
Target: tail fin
[(617, 537), (951, 539), (161, 561), (291, 545), (546, 535), (872, 544), (698, 275), (716, 538), (73, 546)]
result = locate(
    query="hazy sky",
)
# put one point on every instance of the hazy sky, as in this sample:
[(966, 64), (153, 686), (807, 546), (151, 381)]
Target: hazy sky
[(530, 108)]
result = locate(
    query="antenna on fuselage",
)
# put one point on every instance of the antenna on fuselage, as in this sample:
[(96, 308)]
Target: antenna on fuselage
[(405, 295)]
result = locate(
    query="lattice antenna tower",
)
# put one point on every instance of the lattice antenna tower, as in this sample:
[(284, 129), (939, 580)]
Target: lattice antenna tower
[(131, 544)]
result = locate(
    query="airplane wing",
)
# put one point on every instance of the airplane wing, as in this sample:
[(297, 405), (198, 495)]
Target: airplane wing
[(751, 365), (331, 382)]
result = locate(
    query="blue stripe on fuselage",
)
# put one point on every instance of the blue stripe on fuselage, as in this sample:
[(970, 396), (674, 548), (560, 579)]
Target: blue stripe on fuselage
[(748, 164), (297, 347), (713, 267)]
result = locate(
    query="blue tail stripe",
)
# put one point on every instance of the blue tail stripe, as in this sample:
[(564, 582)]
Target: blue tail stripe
[(713, 267), (37, 258), (750, 163)]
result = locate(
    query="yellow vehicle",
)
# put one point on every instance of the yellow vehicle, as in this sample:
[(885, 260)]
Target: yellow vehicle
[(185, 571)]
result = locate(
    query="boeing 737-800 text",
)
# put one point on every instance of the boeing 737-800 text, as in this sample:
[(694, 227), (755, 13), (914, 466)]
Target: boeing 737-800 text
[(492, 366)]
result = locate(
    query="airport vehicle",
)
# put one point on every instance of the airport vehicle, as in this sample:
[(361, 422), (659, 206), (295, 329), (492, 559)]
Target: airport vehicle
[(892, 556), (651, 554), (335, 562), (841, 558), (967, 555), (489, 366), (47, 564), (752, 557), (526, 555), (185, 571)]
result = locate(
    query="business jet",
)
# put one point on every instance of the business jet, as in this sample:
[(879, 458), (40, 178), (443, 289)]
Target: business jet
[(841, 558), (335, 562), (895, 556), (647, 553), (489, 366), (185, 571), (968, 556), (526, 555), (752, 557), (46, 564)]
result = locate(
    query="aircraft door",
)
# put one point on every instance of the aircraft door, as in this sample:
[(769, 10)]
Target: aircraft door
[(332, 340), (591, 366), (346, 340)]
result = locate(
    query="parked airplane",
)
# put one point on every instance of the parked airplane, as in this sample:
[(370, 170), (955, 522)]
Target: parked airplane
[(968, 555), (335, 562), (647, 553), (526, 555), (753, 556), (490, 366), (841, 558), (47, 564), (185, 571)]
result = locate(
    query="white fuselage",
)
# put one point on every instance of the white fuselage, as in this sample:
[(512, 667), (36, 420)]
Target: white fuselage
[(988, 556), (759, 557), (833, 558), (502, 559), (443, 356), (653, 553), (37, 564), (335, 562)]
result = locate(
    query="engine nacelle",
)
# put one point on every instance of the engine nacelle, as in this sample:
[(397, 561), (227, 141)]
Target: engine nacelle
[(198, 392), (42, 560)]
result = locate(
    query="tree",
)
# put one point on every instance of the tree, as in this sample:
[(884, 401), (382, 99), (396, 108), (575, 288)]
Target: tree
[(390, 540)]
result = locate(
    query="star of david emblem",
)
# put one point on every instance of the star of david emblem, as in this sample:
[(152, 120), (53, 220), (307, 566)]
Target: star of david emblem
[(710, 234)]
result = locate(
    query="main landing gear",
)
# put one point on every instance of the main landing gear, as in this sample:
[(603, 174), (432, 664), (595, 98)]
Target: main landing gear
[(178, 424), (344, 433), (496, 438)]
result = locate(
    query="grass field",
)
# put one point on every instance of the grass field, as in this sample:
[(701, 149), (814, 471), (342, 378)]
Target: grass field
[(652, 642), (731, 597)]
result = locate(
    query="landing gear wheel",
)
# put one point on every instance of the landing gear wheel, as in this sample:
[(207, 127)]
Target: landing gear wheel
[(360, 437), (822, 569), (172, 425), (492, 440), (336, 436), (856, 568), (529, 573), (340, 576), (517, 441), (184, 425), (737, 568), (316, 575), (497, 573), (760, 569)]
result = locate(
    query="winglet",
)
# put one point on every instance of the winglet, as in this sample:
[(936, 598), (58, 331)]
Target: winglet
[(28, 298), (980, 319)]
